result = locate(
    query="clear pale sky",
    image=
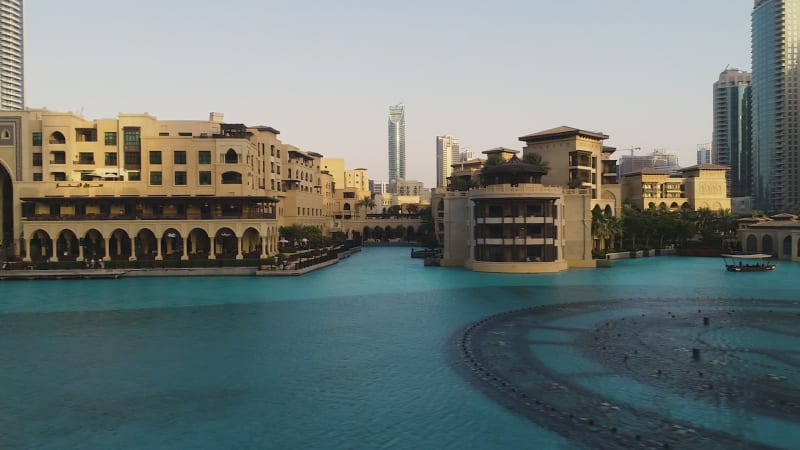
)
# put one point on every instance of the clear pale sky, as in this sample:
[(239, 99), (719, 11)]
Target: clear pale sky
[(325, 72)]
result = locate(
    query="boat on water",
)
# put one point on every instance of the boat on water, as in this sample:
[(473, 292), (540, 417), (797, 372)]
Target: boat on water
[(424, 253), (758, 262)]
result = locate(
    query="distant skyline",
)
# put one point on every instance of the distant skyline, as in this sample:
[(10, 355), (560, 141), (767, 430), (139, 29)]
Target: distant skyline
[(324, 73)]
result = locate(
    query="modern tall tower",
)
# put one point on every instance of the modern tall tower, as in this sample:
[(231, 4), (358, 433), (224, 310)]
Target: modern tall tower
[(11, 56), (774, 93), (731, 140), (447, 153), (704, 153), (397, 143)]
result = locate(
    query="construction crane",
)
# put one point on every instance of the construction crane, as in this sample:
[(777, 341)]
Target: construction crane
[(632, 149)]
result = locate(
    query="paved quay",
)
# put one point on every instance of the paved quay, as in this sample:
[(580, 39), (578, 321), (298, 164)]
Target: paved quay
[(83, 274)]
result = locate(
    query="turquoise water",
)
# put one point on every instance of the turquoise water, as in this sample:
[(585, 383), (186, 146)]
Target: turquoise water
[(353, 356)]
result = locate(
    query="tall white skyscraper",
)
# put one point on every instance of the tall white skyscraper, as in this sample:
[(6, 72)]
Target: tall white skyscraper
[(775, 117), (11, 56), (447, 153), (397, 143)]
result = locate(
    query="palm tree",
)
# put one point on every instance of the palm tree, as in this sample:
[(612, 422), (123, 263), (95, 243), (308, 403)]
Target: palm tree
[(367, 203), (601, 228)]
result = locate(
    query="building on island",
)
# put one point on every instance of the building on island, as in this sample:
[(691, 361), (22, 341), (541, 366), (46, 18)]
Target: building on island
[(526, 217)]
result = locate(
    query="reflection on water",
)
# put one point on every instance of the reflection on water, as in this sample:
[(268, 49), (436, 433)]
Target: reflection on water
[(352, 356)]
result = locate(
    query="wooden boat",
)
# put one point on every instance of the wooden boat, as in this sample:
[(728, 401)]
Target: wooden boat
[(424, 253), (758, 262)]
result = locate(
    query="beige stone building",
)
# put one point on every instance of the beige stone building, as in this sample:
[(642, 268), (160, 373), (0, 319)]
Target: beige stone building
[(578, 160), (700, 186), (778, 235), (136, 187)]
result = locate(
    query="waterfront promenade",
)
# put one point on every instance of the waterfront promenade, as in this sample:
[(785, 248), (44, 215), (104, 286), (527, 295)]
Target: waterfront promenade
[(290, 270)]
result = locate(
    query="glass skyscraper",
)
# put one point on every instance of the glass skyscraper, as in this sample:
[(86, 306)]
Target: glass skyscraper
[(397, 143), (731, 142), (11, 55), (776, 159)]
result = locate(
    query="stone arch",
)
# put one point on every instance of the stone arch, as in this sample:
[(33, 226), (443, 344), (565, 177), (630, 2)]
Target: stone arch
[(226, 245), (608, 211), (40, 245), (6, 208), (231, 178), (171, 244), (597, 209), (367, 232), (662, 205), (94, 246), (787, 246), (57, 137), (251, 244), (608, 195), (651, 205), (198, 244), (703, 205), (346, 207), (145, 244), (67, 245), (766, 244), (751, 244), (717, 206), (119, 245), (674, 205), (231, 157), (411, 233)]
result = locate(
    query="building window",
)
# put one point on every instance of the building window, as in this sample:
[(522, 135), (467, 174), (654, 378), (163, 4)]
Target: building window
[(37, 138), (180, 178), (231, 178), (37, 177), (58, 158), (155, 157), (59, 176), (185, 134), (132, 136), (180, 156), (155, 178), (133, 159), (231, 157), (85, 158), (204, 178), (57, 138), (37, 160), (204, 157), (134, 176), (163, 134), (111, 138), (111, 158)]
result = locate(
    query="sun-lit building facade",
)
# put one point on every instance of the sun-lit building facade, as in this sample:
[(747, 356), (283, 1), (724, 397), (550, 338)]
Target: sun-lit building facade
[(775, 94), (138, 188)]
